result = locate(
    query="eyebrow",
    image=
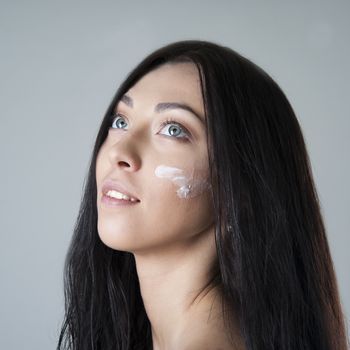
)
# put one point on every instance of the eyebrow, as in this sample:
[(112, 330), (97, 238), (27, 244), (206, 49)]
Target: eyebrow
[(164, 106)]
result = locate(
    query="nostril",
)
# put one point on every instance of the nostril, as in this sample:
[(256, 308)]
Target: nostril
[(124, 163)]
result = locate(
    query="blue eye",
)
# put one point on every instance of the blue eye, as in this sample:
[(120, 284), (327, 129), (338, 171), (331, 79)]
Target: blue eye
[(116, 118), (176, 130)]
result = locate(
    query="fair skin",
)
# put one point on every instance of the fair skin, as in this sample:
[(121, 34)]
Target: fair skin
[(172, 238)]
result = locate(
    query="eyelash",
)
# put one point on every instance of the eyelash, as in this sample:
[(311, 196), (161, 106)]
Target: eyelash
[(163, 124)]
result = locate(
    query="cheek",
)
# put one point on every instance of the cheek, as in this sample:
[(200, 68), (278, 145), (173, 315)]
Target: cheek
[(184, 198), (176, 218), (188, 183)]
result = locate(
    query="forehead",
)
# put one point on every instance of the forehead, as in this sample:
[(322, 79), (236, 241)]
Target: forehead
[(171, 82)]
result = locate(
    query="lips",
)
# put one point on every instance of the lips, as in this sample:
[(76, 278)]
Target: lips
[(111, 184)]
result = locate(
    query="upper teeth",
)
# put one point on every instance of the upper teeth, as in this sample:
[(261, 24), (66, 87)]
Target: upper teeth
[(119, 195)]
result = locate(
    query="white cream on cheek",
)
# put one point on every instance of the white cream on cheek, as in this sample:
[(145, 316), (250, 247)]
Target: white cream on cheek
[(189, 187)]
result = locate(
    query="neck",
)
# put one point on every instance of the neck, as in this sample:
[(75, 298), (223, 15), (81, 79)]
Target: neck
[(174, 288)]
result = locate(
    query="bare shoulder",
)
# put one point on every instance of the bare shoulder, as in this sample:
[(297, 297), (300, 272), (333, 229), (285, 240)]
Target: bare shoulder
[(214, 343), (206, 346), (211, 339)]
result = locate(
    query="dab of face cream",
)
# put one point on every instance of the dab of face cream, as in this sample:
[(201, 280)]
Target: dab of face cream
[(188, 186)]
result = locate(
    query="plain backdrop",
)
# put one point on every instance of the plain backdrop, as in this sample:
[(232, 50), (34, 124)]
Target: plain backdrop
[(61, 63)]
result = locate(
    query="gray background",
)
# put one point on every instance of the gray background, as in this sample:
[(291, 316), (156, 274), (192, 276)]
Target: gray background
[(61, 63)]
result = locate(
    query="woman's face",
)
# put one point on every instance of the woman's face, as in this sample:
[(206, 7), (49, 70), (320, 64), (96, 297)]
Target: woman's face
[(164, 165)]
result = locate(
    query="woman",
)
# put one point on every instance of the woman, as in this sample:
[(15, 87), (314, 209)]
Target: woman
[(200, 226)]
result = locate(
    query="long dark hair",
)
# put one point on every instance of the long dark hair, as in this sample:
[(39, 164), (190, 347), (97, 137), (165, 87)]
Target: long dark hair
[(275, 270)]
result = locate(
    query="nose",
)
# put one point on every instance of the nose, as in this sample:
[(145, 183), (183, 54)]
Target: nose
[(123, 154)]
